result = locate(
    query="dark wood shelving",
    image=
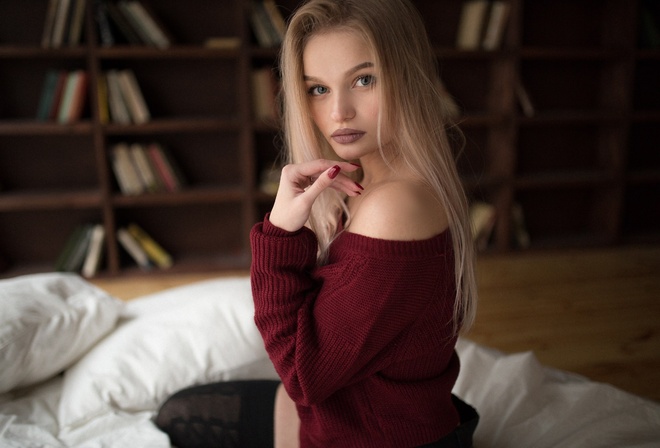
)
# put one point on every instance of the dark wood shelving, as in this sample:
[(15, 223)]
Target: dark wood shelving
[(584, 167)]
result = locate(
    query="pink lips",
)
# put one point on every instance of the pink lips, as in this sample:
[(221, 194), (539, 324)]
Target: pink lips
[(345, 136)]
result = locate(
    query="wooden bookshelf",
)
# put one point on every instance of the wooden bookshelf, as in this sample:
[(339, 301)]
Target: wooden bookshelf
[(584, 167)]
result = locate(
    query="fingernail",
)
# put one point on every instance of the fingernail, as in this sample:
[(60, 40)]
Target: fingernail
[(359, 186), (334, 171)]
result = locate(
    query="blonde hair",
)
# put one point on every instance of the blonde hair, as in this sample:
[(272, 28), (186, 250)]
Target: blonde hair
[(412, 105)]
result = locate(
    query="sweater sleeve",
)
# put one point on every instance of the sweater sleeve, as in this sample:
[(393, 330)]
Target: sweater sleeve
[(329, 327)]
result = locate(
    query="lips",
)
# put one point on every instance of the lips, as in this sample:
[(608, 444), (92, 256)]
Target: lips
[(346, 136)]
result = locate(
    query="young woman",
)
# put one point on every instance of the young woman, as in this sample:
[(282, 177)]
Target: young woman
[(363, 271)]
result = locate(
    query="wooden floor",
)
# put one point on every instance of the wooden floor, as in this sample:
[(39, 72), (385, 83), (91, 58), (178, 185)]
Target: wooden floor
[(593, 312)]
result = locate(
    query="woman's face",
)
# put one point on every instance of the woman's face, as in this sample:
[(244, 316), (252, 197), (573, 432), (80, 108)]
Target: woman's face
[(340, 78)]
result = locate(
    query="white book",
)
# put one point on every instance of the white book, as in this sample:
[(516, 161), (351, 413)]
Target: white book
[(471, 24), (153, 32), (93, 257), (133, 98), (127, 176), (499, 15), (133, 248), (118, 109)]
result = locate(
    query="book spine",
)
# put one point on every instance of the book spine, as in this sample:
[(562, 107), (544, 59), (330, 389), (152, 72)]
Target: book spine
[(95, 251), (67, 97), (156, 35), (471, 24), (133, 98), (49, 24), (133, 248), (118, 110), (60, 23), (154, 251)]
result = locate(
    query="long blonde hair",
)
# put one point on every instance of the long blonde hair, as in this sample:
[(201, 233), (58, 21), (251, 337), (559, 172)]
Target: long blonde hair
[(412, 106)]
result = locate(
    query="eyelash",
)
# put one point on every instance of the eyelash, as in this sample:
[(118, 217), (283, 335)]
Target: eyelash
[(312, 91)]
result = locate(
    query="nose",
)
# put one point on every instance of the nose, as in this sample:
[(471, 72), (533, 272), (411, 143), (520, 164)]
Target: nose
[(342, 107)]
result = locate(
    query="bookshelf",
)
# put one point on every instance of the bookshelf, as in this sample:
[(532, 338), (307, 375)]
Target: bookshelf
[(584, 166)]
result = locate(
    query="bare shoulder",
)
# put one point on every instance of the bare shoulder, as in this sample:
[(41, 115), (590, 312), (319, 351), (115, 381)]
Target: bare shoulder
[(398, 210)]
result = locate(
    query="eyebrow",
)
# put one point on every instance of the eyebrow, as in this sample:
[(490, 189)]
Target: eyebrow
[(357, 68)]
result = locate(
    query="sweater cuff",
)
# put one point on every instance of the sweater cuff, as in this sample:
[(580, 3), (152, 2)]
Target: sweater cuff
[(271, 229)]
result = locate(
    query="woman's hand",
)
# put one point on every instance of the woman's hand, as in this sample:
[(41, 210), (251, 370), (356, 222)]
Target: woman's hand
[(302, 183)]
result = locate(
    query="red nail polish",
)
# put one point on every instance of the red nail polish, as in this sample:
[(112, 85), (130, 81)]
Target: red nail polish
[(334, 171), (359, 186)]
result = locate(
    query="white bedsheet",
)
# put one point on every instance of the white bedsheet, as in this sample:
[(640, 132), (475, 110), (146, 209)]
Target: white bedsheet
[(521, 403)]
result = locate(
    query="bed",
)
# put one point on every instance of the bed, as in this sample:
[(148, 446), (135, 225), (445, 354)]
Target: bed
[(80, 368)]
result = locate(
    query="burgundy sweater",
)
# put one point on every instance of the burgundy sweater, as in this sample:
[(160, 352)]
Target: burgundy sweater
[(364, 344)]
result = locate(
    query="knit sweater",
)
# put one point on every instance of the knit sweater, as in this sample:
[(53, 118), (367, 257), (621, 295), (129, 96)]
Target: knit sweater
[(363, 344)]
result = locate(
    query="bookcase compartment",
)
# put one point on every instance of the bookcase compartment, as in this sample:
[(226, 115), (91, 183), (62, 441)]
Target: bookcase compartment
[(560, 149), (566, 23), (30, 14), (22, 241), (46, 163), (563, 85), (198, 236), (572, 215), (178, 88)]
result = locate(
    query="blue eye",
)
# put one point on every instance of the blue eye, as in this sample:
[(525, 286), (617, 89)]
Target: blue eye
[(365, 80), (317, 90)]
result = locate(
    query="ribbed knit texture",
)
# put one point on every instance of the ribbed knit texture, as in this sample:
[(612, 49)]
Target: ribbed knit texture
[(364, 344)]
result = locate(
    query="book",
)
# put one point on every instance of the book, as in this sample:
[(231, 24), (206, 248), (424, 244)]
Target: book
[(159, 256), (76, 23), (471, 24), (101, 14), (147, 173), (133, 248), (126, 175), (168, 170), (72, 257), (223, 43), (649, 29), (59, 26), (132, 96), (276, 18), (145, 24), (264, 92), (49, 23), (94, 251), (73, 97), (520, 234), (524, 100), (123, 26), (498, 16), (117, 105), (265, 32), (102, 98), (482, 220), (47, 94)]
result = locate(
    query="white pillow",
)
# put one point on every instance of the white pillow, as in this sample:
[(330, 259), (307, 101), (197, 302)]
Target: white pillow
[(184, 336), (47, 321)]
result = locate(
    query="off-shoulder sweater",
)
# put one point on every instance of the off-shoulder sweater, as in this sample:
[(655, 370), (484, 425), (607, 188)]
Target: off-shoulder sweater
[(363, 344)]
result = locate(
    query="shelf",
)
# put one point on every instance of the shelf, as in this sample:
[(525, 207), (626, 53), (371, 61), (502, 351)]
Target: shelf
[(584, 167)]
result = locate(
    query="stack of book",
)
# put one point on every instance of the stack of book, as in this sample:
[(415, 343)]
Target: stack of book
[(267, 23), (142, 248), (63, 96), (121, 99), (83, 250), (146, 168), (265, 87), (129, 22), (482, 24), (64, 23)]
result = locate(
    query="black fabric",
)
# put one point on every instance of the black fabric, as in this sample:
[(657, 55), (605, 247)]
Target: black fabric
[(232, 414), (461, 437)]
